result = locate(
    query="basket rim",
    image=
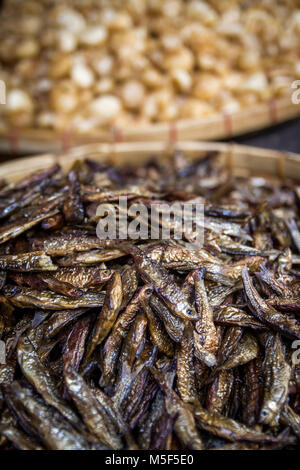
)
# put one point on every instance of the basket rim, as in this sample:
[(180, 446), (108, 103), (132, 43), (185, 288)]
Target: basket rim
[(118, 153), (216, 126)]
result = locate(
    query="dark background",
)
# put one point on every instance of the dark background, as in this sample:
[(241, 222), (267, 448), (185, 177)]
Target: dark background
[(282, 137)]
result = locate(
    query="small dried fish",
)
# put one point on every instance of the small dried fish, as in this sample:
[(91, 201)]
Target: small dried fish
[(230, 429), (277, 374), (109, 313), (121, 327), (33, 261), (28, 298), (38, 375), (92, 412), (56, 432), (186, 380), (205, 334), (126, 344), (219, 391), (185, 427), (246, 351), (267, 314), (163, 283)]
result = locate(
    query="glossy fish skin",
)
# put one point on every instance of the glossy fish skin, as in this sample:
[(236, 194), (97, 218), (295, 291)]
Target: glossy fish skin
[(129, 374), (291, 419), (90, 257), (110, 310), (277, 373), (205, 334), (67, 242), (141, 406), (252, 394), (184, 426), (130, 283), (74, 347), (174, 325), (246, 351), (92, 412), (294, 231), (229, 429), (228, 315), (230, 340), (133, 340), (20, 440), (110, 196), (121, 327), (10, 430), (289, 305), (157, 331), (33, 217), (148, 426), (219, 391), (38, 375), (116, 417), (279, 287), (45, 281), (267, 314), (60, 319), (186, 381), (26, 298), (163, 283), (83, 276), (56, 432), (33, 261), (73, 209)]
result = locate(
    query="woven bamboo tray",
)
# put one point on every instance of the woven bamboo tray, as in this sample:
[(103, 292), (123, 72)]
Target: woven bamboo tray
[(241, 160), (31, 141)]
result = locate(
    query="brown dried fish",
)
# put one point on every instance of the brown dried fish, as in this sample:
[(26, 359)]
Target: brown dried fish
[(267, 314), (26, 298), (108, 315), (277, 374), (55, 431), (184, 426), (92, 412), (33, 261), (205, 334), (230, 429), (121, 327), (164, 339), (164, 284), (38, 375)]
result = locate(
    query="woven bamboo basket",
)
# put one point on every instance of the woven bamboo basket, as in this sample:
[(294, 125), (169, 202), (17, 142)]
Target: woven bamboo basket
[(220, 126), (241, 160)]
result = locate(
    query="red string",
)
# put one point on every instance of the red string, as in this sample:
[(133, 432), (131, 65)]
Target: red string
[(14, 141), (273, 112), (173, 133), (117, 135), (66, 140), (228, 125)]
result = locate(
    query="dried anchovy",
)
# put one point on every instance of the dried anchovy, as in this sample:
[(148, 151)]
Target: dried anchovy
[(135, 344)]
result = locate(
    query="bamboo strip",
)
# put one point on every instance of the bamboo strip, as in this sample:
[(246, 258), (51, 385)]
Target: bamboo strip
[(22, 141)]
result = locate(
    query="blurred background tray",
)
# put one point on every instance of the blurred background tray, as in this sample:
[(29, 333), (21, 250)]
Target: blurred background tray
[(225, 127)]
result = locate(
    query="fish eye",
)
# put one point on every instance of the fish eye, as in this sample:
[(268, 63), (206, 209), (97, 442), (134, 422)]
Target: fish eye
[(189, 312), (264, 413)]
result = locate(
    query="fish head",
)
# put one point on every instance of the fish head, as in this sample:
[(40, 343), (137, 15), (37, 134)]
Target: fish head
[(269, 412), (186, 311), (25, 345)]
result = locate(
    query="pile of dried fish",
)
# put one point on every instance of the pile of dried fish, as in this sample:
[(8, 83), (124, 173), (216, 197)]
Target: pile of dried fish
[(149, 344)]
